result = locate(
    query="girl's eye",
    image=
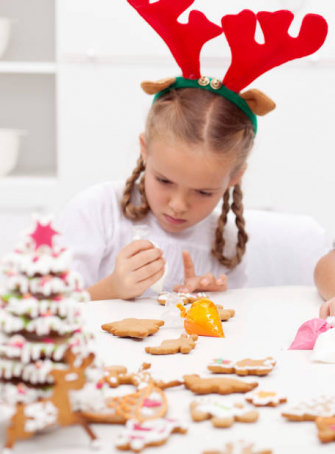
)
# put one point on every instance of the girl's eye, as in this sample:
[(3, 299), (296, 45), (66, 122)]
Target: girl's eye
[(162, 180), (205, 194)]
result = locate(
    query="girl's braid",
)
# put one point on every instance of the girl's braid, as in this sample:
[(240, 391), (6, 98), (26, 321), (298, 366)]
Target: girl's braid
[(219, 243), (129, 210)]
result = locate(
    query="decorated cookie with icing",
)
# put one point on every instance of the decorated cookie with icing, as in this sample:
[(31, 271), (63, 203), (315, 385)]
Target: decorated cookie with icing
[(118, 375), (323, 406), (265, 398), (240, 447), (200, 385), (137, 436), (133, 327), (185, 298), (221, 412), (326, 428), (245, 367)]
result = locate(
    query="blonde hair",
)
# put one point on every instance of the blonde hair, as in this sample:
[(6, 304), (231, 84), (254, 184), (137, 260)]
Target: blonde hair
[(200, 117)]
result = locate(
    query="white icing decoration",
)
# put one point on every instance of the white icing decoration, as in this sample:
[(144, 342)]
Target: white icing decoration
[(40, 415), (221, 408), (46, 285), (34, 373), (156, 430), (264, 400), (71, 377), (14, 394), (32, 262), (321, 406), (324, 348)]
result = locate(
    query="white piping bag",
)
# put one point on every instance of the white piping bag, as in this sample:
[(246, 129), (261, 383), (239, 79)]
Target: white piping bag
[(139, 232)]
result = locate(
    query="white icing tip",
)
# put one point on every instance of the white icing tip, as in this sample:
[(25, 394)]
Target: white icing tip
[(96, 445)]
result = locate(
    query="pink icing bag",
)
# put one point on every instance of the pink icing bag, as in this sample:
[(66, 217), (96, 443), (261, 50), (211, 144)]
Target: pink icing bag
[(308, 333)]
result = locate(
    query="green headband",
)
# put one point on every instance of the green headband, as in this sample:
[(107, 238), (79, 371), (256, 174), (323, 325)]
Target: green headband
[(215, 86)]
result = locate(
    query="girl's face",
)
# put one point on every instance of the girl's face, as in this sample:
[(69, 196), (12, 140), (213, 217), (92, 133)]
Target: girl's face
[(184, 183)]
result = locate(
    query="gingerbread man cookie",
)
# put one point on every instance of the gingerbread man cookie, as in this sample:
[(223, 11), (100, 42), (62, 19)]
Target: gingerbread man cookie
[(245, 367), (137, 436), (265, 398), (133, 327), (239, 448), (118, 375), (224, 314), (184, 344), (200, 385), (308, 411), (326, 428), (221, 412)]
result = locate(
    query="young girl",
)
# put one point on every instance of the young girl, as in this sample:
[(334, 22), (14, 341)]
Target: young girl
[(193, 150), (198, 135)]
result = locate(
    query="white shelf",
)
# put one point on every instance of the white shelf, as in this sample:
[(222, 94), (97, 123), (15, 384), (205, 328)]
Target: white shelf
[(8, 67)]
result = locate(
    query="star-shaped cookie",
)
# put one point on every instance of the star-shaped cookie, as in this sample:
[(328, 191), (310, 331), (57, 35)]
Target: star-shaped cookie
[(133, 327)]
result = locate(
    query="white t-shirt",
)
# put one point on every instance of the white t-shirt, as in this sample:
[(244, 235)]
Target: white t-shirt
[(95, 230)]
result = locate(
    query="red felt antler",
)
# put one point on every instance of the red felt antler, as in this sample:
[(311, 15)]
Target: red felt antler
[(185, 41), (251, 59)]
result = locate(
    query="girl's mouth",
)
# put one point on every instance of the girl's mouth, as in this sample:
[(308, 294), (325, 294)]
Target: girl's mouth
[(173, 221)]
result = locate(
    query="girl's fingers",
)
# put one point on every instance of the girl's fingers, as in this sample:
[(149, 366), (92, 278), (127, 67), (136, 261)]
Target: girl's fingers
[(143, 258), (207, 279), (324, 310), (188, 266), (190, 285), (135, 247), (147, 283), (222, 281), (149, 270)]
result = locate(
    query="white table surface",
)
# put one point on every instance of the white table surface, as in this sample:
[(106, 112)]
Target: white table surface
[(265, 324)]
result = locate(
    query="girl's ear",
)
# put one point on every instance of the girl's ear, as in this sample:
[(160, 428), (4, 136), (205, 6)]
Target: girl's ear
[(143, 146), (237, 177), (259, 103)]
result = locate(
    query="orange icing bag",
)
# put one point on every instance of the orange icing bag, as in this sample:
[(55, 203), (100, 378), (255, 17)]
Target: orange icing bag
[(202, 318)]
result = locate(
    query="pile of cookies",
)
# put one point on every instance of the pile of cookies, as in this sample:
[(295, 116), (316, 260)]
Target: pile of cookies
[(214, 395)]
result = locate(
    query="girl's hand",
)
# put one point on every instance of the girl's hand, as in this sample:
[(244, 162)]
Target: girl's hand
[(193, 283), (328, 308), (138, 266)]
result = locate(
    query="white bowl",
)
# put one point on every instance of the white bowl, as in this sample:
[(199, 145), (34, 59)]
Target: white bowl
[(9, 149), (5, 26)]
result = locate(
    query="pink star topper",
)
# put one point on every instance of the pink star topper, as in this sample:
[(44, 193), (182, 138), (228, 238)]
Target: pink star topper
[(43, 235)]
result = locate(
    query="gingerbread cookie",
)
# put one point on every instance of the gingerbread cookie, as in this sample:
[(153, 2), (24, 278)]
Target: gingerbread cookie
[(326, 428), (171, 346), (245, 367), (200, 385), (224, 314), (265, 398), (133, 327), (221, 412), (308, 411), (185, 298), (145, 404), (117, 375), (239, 448), (137, 436)]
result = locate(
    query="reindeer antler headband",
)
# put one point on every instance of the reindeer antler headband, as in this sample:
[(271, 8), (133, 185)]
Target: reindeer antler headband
[(249, 58)]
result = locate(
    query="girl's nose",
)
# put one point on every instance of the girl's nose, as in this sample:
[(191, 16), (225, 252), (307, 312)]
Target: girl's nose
[(178, 204)]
